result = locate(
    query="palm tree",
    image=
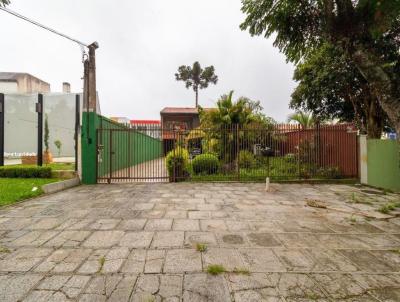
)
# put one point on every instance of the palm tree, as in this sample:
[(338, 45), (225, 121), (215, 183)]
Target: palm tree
[(196, 77), (305, 119)]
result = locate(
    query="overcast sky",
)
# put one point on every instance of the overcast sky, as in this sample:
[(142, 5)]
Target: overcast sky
[(142, 44)]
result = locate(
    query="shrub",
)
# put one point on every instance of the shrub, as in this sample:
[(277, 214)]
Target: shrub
[(25, 172), (177, 162), (205, 164), (247, 159)]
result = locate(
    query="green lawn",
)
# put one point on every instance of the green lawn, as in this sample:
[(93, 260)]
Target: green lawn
[(17, 189)]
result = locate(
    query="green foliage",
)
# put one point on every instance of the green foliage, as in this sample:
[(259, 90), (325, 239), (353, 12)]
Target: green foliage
[(215, 269), (305, 119), (46, 133), (388, 207), (4, 2), (17, 189), (247, 160), (205, 164), (328, 85), (177, 161), (196, 77), (201, 247), (367, 32), (25, 172), (58, 145)]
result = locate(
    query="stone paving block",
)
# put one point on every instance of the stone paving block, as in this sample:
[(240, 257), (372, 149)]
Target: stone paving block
[(295, 260), (68, 239), (235, 226), (203, 287), (132, 224), (199, 215), (192, 238), (212, 225), (23, 260), (298, 287), (338, 286), (137, 240), (158, 225), (34, 238), (186, 225), (105, 224), (102, 239), (154, 261), (181, 261), (261, 260), (135, 262), (264, 240), (45, 224), (367, 262), (227, 257), (330, 261), (14, 287), (176, 214), (299, 240), (63, 261), (231, 239), (168, 239)]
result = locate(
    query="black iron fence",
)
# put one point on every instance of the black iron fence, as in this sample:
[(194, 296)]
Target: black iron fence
[(229, 153)]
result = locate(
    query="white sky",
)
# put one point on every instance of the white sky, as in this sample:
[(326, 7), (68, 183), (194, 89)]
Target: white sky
[(142, 44)]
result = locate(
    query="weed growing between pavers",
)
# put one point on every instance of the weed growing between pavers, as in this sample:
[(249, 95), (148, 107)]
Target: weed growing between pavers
[(241, 271), (102, 260), (215, 269), (4, 250), (201, 247), (387, 208)]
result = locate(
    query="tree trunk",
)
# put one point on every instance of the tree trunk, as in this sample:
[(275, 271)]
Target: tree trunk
[(375, 122), (197, 97), (381, 83)]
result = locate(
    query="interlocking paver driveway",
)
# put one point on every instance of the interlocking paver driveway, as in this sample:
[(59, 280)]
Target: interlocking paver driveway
[(137, 242)]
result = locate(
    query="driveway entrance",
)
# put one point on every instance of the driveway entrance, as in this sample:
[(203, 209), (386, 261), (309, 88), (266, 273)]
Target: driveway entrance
[(155, 242)]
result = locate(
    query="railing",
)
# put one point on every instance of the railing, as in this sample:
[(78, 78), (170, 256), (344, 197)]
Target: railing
[(236, 153)]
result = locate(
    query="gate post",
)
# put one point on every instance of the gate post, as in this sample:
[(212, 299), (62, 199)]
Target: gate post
[(2, 130), (39, 110), (89, 119)]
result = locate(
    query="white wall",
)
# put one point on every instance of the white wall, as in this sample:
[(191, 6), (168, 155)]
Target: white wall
[(8, 87)]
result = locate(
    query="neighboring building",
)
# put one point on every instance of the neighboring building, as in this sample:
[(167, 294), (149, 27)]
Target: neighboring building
[(149, 127), (121, 120), (22, 83), (177, 118), (180, 118)]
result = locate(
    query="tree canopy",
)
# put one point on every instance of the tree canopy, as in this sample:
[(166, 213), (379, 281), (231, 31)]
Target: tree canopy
[(196, 77), (366, 31), (331, 87), (243, 111), (4, 2), (305, 119)]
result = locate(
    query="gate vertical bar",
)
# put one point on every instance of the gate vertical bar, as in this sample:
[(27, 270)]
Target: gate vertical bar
[(77, 125), (39, 110), (2, 129), (110, 158), (237, 152)]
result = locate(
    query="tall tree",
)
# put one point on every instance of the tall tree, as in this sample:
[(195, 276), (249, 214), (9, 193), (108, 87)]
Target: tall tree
[(196, 77), (331, 87), (4, 2), (367, 31)]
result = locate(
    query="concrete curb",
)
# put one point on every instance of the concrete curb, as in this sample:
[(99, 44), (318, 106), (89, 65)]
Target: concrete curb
[(61, 185)]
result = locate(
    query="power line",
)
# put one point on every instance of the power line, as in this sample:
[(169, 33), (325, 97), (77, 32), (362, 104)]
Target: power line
[(42, 26)]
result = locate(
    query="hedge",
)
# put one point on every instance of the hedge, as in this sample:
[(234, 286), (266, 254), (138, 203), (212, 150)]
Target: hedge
[(25, 172)]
